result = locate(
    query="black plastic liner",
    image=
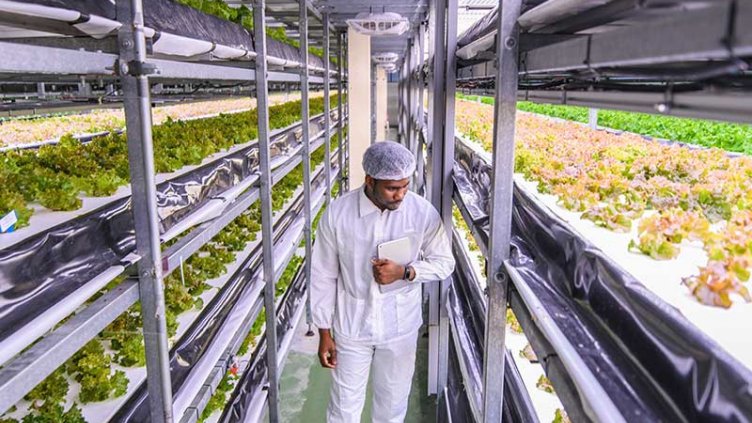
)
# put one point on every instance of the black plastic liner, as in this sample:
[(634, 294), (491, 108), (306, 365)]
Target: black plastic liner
[(175, 18), (454, 405), (314, 60), (105, 9), (468, 311), (168, 16), (482, 27), (653, 363), (38, 272), (255, 378), (282, 50), (288, 52), (187, 352)]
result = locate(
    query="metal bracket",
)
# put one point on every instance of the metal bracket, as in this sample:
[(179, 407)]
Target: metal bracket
[(136, 68)]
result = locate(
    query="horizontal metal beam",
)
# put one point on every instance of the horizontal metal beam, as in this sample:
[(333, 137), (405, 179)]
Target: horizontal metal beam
[(689, 35), (728, 106), (42, 60), (50, 60), (731, 107)]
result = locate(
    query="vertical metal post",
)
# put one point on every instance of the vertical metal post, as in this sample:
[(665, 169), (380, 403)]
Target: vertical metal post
[(137, 104), (431, 99), (347, 134), (305, 151), (447, 185), (340, 114), (40, 90), (408, 91), (267, 231), (436, 321), (420, 109), (501, 209), (84, 88), (373, 103), (593, 118), (400, 133), (327, 112), (403, 101)]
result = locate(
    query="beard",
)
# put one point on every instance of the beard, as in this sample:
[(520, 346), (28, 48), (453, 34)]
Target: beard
[(380, 202)]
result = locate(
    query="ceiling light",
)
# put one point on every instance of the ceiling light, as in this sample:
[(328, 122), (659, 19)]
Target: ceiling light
[(376, 24)]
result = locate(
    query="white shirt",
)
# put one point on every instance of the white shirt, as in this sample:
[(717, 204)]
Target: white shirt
[(344, 295)]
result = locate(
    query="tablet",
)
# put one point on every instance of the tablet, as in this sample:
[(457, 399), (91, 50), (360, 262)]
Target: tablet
[(399, 251)]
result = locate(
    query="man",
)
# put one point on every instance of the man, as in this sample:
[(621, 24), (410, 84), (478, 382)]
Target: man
[(363, 325)]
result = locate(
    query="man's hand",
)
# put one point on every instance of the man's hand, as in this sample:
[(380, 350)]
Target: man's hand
[(386, 271), (327, 349)]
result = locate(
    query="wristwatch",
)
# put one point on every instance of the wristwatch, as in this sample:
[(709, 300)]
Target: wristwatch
[(406, 275)]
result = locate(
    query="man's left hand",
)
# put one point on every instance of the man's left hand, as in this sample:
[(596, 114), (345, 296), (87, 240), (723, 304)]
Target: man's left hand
[(386, 271)]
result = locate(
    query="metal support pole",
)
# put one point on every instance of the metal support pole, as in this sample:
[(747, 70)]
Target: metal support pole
[(500, 209), (327, 112), (447, 185), (593, 118), (400, 135), (373, 103), (421, 89), (305, 151), (84, 88), (442, 158), (347, 134), (408, 76), (340, 114), (431, 96), (40, 90), (403, 101), (415, 59), (267, 231), (137, 105)]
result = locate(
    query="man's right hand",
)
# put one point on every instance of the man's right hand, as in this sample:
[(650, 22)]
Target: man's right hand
[(327, 349)]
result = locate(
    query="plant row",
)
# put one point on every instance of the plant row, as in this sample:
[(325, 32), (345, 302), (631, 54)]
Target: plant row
[(20, 131), (732, 137), (56, 175), (670, 193), (122, 343)]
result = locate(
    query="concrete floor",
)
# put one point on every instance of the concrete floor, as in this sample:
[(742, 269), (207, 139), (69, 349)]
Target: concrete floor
[(304, 386)]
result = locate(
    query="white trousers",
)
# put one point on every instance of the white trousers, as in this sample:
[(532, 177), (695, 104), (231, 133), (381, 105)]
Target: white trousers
[(393, 364)]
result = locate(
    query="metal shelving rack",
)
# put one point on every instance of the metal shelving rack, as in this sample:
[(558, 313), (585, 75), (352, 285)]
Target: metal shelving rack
[(651, 57), (136, 70)]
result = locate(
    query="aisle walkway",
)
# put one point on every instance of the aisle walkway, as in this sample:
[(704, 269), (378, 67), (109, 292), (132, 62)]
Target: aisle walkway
[(304, 386)]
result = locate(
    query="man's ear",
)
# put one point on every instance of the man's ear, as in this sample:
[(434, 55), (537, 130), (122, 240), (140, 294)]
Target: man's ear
[(370, 181)]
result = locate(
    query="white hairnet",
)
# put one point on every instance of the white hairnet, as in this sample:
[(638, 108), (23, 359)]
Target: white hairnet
[(388, 160)]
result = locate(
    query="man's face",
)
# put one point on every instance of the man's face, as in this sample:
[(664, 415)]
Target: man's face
[(387, 194)]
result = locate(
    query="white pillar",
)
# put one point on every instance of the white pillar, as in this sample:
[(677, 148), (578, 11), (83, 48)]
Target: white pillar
[(359, 102), (381, 114)]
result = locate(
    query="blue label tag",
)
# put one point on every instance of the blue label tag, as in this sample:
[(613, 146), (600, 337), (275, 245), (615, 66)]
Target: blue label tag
[(8, 222)]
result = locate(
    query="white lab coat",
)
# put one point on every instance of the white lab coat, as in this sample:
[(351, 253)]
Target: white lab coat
[(346, 299)]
